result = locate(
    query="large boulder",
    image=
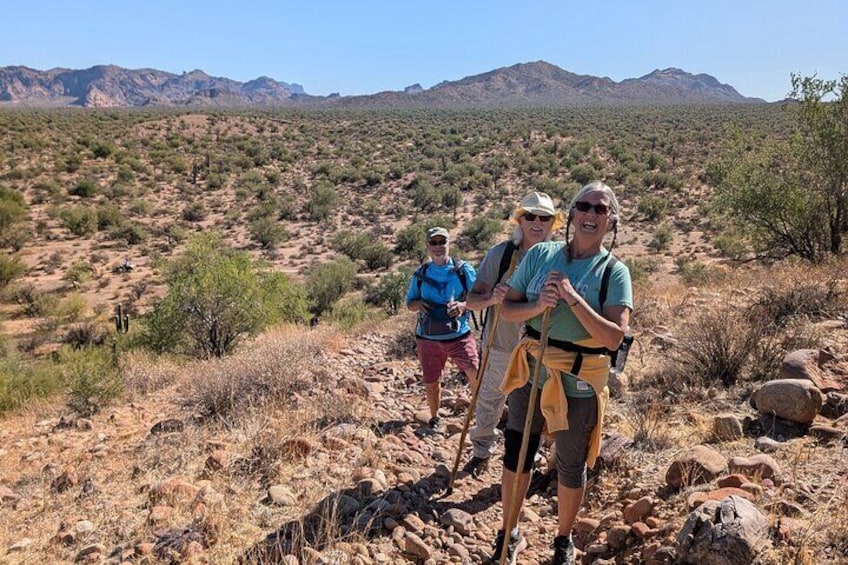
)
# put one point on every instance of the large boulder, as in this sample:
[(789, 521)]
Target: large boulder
[(699, 464), (796, 400), (731, 531)]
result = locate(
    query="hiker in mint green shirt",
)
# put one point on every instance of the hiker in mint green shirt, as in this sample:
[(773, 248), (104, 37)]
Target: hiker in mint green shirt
[(567, 277)]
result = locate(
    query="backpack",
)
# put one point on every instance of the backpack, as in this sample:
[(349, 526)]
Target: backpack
[(421, 275), (624, 348)]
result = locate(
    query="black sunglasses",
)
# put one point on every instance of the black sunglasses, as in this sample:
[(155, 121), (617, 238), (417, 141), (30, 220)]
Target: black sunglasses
[(438, 241), (532, 217), (600, 209)]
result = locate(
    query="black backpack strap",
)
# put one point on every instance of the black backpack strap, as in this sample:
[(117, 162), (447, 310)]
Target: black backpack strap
[(602, 297), (421, 274), (505, 260)]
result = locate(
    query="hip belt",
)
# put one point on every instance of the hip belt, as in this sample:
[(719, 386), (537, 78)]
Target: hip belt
[(569, 346)]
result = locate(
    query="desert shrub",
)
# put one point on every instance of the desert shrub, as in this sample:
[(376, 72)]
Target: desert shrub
[(131, 232), (377, 256), (86, 334), (582, 174), (92, 377), (657, 180), (348, 312), (352, 243), (267, 232), (86, 188), (697, 273), (774, 343), (480, 231), (653, 207), (67, 310), (410, 242), (641, 268), (647, 415), (33, 301), (11, 267), (194, 212), (662, 238), (323, 200), (12, 217), (108, 216), (389, 291), (713, 348), (816, 299), (286, 300), (79, 272), (277, 365), (23, 380), (328, 282), (216, 297), (79, 220)]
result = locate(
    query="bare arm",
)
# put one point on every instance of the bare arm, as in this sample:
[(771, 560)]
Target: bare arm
[(517, 309), (608, 328), (483, 295)]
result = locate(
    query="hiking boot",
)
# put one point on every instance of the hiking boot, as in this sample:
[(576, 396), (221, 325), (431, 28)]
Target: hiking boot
[(563, 551), (517, 543), (476, 466)]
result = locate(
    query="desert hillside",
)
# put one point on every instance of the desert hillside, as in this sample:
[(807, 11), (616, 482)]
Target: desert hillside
[(302, 440)]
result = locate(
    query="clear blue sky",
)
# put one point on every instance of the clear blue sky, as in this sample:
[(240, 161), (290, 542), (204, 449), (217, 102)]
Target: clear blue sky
[(363, 47)]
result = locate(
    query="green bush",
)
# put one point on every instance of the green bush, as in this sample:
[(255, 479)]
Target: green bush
[(92, 377), (86, 188), (662, 238), (348, 313), (79, 272), (653, 207), (267, 232), (480, 231), (696, 273), (328, 282), (216, 297), (11, 267), (80, 220), (410, 242), (323, 200), (389, 291)]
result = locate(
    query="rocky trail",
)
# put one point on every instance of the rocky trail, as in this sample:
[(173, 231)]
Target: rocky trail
[(144, 482)]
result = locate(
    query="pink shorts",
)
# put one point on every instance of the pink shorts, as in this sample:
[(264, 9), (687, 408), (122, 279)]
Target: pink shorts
[(434, 354)]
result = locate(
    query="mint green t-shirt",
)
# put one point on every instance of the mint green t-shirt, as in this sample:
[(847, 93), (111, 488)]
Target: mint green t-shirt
[(585, 276)]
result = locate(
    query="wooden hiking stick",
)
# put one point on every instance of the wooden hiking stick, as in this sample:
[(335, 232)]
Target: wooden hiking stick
[(474, 394), (512, 517)]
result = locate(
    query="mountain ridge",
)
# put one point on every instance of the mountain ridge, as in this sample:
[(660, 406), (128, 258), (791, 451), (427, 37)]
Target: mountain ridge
[(536, 83)]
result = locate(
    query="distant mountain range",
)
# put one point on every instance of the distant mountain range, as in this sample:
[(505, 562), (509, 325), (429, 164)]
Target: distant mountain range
[(523, 85)]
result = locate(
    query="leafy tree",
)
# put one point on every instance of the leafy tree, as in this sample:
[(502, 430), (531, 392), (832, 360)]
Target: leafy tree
[(216, 297), (792, 196)]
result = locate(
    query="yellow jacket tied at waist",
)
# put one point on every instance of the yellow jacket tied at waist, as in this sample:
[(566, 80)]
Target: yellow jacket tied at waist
[(554, 402)]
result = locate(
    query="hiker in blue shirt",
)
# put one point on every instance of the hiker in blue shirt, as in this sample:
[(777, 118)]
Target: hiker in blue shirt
[(437, 293)]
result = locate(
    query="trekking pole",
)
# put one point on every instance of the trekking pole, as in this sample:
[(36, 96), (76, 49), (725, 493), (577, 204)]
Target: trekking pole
[(490, 339), (512, 517)]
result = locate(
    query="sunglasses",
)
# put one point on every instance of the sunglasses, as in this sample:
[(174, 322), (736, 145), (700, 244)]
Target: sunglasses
[(438, 241), (600, 209), (532, 217)]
